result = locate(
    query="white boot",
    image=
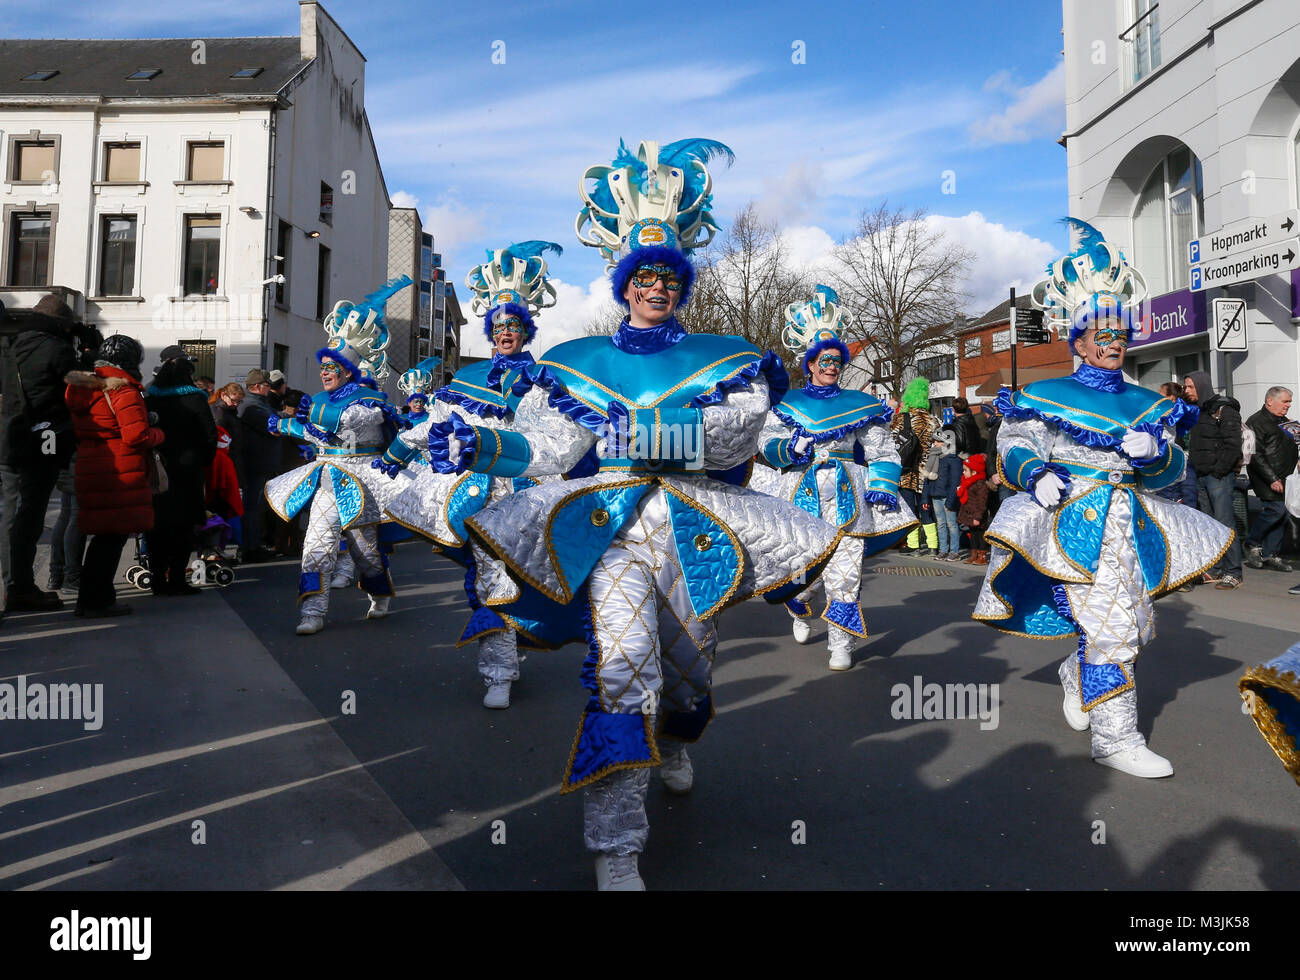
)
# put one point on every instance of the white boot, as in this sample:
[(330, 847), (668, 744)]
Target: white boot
[(802, 630), (841, 643), (308, 625), (1075, 716), (1139, 762), (378, 607), (498, 695), (618, 873), (677, 773)]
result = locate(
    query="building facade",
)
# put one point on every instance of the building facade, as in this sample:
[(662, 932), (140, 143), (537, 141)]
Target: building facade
[(984, 354), (222, 194), (1183, 117)]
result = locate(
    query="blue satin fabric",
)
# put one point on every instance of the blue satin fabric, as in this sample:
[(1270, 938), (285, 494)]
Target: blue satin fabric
[(647, 340), (847, 616), (348, 495), (308, 584), (489, 389), (513, 457), (687, 726), (462, 504), (607, 742), (820, 391), (302, 493), (715, 568), (829, 418)]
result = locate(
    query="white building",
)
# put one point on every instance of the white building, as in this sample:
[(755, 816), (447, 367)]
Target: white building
[(1183, 117), (162, 185)]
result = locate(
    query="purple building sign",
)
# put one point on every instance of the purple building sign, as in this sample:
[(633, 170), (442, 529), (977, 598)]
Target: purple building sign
[(1172, 316), (1295, 292)]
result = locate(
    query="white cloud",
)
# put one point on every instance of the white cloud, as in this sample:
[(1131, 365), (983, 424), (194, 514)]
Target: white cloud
[(452, 225), (790, 197), (1036, 110), (575, 307), (404, 199), (1004, 258)]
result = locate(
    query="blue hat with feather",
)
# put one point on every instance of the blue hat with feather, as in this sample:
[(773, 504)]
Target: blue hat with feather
[(512, 282), (358, 333), (650, 208), (1092, 285)]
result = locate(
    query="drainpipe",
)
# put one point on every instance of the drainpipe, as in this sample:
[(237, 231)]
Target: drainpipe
[(268, 217)]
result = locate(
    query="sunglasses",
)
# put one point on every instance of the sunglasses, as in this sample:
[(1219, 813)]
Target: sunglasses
[(647, 275), (513, 325)]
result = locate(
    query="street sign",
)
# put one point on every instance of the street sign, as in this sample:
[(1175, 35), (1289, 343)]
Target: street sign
[(1279, 257), (1244, 236), (1034, 335), (1229, 329)]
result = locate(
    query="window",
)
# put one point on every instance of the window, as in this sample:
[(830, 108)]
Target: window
[(326, 203), (247, 73), (117, 255), (122, 161), (206, 352), (426, 312), (322, 283), (938, 368), (144, 74), (40, 76), (34, 161), (202, 253), (29, 249), (426, 264), (1141, 40), (283, 236), (1001, 340), (1169, 213), (280, 358), (205, 161)]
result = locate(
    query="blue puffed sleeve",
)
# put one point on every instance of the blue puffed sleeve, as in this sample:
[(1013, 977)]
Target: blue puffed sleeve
[(397, 456), (883, 477), (501, 452), (778, 453), (1165, 470)]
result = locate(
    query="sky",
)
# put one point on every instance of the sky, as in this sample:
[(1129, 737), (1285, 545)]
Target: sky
[(485, 116)]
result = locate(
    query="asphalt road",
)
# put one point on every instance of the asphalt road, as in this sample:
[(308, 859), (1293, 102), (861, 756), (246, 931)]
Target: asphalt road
[(219, 723)]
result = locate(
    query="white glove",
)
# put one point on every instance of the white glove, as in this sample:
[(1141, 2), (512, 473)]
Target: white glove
[(1049, 489), (454, 446), (1140, 445), (800, 445)]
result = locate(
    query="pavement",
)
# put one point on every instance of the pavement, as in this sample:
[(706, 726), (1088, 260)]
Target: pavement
[(234, 754)]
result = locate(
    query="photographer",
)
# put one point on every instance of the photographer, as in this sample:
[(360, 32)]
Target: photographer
[(36, 439)]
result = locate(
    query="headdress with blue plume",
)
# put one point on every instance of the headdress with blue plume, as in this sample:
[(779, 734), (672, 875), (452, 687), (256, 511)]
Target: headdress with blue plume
[(816, 324), (358, 333), (1092, 284), (418, 382), (513, 283), (652, 206)]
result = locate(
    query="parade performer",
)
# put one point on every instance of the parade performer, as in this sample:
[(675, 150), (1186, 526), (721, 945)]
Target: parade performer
[(1086, 546), (509, 289), (348, 425), (647, 552), (1271, 693), (830, 451)]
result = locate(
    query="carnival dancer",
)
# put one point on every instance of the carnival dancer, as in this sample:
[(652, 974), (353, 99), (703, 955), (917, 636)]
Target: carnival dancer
[(1086, 546), (648, 551), (348, 425), (830, 451), (509, 289)]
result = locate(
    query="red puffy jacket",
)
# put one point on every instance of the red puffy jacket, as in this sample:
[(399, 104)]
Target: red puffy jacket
[(113, 443)]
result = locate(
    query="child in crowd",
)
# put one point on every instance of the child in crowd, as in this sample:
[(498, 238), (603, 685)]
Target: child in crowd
[(973, 499)]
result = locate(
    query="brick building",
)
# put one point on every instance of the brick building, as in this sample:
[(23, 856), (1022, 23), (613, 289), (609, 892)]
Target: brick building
[(984, 355)]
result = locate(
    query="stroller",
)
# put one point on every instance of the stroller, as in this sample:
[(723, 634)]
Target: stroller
[(210, 566)]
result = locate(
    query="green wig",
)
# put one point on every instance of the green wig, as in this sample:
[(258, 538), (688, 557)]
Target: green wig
[(917, 394)]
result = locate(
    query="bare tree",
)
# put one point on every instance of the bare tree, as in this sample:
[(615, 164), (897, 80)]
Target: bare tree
[(902, 279), (744, 283)]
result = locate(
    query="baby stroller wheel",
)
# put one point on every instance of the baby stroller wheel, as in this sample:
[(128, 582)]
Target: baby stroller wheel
[(223, 576), (210, 571), (144, 580), (132, 572)]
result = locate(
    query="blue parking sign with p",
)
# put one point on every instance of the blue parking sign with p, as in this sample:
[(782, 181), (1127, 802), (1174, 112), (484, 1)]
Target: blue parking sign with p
[(1194, 251), (1196, 277)]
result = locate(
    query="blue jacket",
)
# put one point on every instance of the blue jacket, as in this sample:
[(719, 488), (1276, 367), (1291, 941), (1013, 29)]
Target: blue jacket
[(944, 487)]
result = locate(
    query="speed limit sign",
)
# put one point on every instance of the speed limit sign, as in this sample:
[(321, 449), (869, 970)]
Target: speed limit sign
[(1228, 331)]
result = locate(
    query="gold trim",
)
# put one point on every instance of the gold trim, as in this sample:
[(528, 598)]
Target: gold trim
[(735, 544), (1026, 393), (861, 617), (1169, 552), (1078, 680), (1200, 571), (1265, 715), (620, 396), (824, 556), (996, 537), (654, 760), (994, 621)]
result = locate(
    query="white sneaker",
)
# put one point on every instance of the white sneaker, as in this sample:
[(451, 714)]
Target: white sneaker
[(498, 695), (677, 773), (1139, 762), (841, 660), (340, 581), (618, 873), (378, 607), (802, 630), (310, 624), (1075, 716)]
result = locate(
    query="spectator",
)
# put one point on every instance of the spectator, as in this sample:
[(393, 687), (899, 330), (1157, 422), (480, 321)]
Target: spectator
[(259, 460), (1214, 449), (67, 542), (942, 493), (915, 420), (1274, 460), (205, 385), (113, 464), (222, 486), (973, 513), (191, 440), (225, 413), (36, 440), (278, 390), (965, 427)]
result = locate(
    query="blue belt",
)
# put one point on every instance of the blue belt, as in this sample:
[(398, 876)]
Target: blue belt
[(1117, 478), (621, 464), (348, 451)]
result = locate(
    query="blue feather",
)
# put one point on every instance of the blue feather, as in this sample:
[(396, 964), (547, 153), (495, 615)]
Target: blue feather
[(429, 363), (677, 153), (534, 247)]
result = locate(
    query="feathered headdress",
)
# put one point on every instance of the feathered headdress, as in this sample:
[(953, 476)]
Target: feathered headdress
[(358, 334), (652, 207), (814, 325), (514, 274), (1094, 283), (418, 381)]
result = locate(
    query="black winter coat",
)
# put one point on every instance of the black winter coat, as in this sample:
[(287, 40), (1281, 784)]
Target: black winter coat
[(968, 434), (185, 418), (259, 451), (1214, 444), (1275, 455), (42, 357)]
